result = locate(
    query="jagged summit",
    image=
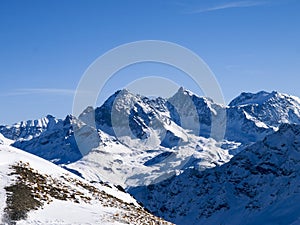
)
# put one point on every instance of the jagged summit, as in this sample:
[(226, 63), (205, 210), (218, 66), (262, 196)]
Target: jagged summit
[(262, 97), (270, 108), (27, 129), (186, 92), (246, 98)]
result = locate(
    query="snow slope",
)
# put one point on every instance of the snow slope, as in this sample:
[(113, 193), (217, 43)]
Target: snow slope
[(140, 164), (64, 197)]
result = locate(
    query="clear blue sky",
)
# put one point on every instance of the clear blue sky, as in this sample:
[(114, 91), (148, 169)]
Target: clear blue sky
[(45, 46)]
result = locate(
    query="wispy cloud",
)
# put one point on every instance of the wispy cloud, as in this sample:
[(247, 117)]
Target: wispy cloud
[(229, 5), (31, 91)]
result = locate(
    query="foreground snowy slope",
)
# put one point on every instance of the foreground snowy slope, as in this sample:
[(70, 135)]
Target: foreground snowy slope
[(35, 191), (260, 185)]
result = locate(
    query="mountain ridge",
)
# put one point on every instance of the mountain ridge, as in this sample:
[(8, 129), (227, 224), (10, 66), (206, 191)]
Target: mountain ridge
[(141, 143)]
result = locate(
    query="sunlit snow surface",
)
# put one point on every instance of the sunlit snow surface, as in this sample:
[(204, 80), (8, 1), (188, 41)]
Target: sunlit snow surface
[(141, 165)]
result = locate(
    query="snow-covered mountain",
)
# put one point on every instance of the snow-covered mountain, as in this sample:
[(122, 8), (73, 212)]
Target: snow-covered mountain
[(140, 118), (251, 116), (55, 143), (35, 191), (149, 139), (260, 185), (145, 131), (28, 129), (157, 145), (156, 122)]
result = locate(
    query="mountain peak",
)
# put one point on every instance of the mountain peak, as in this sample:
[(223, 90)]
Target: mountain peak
[(184, 91), (182, 95), (248, 98), (123, 91)]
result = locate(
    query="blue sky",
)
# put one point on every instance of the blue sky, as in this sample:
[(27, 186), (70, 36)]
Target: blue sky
[(45, 46)]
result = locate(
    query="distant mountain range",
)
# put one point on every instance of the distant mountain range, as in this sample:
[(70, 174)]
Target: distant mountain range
[(187, 159)]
